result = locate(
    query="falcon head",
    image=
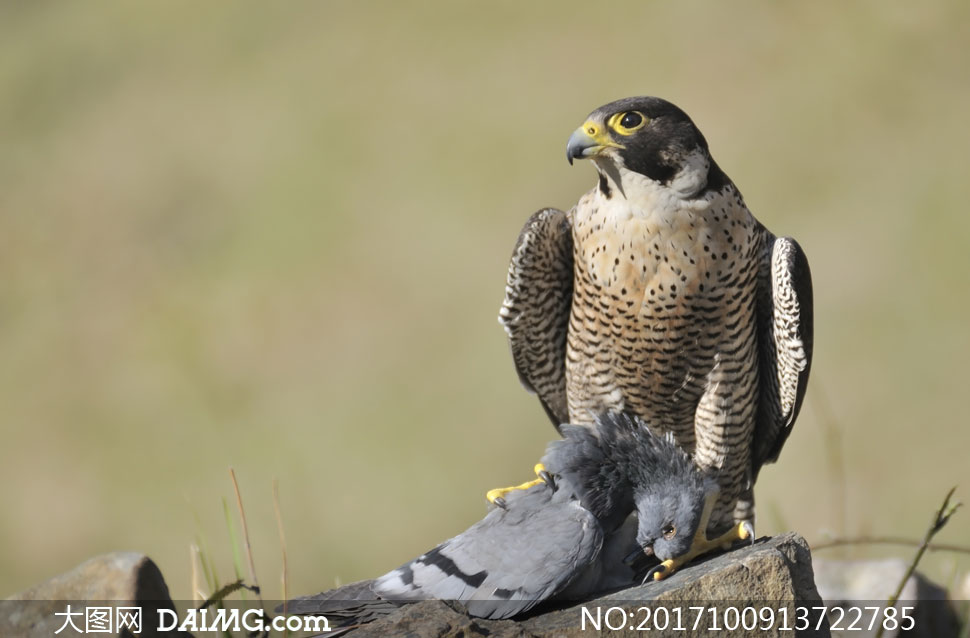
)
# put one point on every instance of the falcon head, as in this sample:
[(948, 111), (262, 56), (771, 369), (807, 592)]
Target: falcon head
[(646, 136)]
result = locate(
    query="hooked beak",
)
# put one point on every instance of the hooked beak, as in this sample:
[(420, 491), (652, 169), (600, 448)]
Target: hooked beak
[(588, 140)]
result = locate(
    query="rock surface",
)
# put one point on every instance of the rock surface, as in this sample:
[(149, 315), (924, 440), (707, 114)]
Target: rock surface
[(126, 578), (773, 573), (855, 583)]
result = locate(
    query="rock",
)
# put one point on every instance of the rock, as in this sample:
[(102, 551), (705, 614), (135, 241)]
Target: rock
[(439, 619), (773, 573), (871, 582), (124, 578)]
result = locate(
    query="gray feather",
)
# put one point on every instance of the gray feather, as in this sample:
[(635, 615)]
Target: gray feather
[(507, 562), (344, 607)]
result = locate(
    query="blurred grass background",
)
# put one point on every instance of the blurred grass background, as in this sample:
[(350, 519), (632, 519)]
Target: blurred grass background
[(275, 237)]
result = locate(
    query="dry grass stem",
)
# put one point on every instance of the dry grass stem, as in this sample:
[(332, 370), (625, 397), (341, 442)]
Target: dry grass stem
[(279, 526), (245, 531), (940, 519), (890, 540)]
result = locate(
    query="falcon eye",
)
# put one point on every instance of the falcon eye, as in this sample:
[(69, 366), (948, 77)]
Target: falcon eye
[(628, 122), (631, 120), (669, 531)]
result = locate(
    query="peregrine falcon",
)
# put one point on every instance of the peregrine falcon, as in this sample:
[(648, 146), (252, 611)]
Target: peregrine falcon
[(565, 539), (659, 294)]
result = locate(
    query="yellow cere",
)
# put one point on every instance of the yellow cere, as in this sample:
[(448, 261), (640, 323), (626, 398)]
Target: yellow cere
[(598, 134)]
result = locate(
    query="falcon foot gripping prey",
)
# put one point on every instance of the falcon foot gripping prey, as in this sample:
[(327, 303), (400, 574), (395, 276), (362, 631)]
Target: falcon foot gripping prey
[(566, 539), (659, 294), (497, 496), (701, 545)]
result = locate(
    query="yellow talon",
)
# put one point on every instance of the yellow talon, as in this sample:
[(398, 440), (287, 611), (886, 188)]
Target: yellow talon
[(499, 493), (701, 545)]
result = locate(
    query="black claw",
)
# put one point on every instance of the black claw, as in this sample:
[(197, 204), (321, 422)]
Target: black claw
[(547, 477), (658, 569), (749, 528), (500, 502)]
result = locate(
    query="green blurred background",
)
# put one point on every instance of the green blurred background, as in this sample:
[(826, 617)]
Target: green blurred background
[(275, 238)]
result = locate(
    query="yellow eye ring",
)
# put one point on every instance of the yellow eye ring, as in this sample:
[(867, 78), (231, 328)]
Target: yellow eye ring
[(669, 532), (627, 122)]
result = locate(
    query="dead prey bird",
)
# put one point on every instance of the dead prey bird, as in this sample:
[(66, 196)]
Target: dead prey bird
[(566, 538)]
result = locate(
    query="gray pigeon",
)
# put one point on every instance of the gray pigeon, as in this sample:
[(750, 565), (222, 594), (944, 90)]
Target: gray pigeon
[(565, 539)]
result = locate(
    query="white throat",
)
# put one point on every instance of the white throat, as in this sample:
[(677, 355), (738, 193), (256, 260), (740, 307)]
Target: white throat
[(633, 194)]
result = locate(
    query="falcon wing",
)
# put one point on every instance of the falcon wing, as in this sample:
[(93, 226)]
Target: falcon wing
[(535, 313), (509, 561), (784, 310)]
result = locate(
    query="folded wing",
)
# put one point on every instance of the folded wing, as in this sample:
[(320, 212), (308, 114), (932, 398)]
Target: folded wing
[(509, 561), (535, 313), (785, 339)]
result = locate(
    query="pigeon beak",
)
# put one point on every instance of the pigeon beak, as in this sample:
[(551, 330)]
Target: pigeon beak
[(638, 553)]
